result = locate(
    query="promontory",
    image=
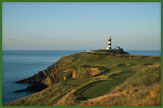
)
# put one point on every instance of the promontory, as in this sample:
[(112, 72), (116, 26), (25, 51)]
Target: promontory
[(96, 78)]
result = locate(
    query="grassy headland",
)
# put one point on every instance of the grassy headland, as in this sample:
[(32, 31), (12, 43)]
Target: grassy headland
[(97, 78)]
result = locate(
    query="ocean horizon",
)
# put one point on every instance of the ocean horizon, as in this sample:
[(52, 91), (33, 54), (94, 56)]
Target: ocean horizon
[(20, 64)]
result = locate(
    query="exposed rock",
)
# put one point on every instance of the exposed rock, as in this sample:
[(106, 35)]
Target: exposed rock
[(34, 87)]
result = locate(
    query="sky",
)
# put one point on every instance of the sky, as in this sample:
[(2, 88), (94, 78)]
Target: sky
[(81, 25)]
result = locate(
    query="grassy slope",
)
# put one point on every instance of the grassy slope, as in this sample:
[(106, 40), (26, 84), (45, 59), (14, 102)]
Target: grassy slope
[(119, 80), (141, 89)]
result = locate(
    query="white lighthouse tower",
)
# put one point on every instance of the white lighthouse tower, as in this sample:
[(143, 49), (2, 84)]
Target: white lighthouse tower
[(109, 43)]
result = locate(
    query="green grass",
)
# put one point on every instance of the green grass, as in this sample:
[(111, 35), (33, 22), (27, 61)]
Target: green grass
[(76, 82), (101, 87), (114, 70)]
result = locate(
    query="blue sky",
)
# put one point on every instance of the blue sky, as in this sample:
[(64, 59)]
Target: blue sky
[(81, 26)]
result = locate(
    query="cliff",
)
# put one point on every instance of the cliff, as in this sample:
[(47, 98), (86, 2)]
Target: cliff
[(98, 77), (70, 68)]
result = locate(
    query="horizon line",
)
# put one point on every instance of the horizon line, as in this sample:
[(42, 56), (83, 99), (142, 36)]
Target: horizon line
[(69, 49)]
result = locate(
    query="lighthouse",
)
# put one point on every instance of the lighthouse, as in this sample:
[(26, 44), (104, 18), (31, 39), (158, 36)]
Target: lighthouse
[(109, 43)]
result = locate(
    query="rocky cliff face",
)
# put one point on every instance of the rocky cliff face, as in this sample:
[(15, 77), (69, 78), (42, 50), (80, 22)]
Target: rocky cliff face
[(51, 75), (62, 70)]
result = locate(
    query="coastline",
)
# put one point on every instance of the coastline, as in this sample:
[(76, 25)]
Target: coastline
[(122, 64)]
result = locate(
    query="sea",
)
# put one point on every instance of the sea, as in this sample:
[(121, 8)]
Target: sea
[(20, 64)]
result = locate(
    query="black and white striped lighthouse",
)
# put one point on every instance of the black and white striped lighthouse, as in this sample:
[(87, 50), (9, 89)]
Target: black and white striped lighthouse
[(109, 43)]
